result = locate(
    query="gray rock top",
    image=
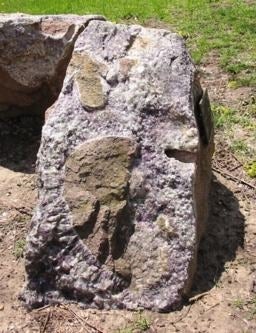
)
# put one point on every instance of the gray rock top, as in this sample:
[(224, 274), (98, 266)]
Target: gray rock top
[(124, 172)]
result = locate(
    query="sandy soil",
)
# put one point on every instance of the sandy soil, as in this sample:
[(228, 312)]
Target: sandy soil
[(223, 297)]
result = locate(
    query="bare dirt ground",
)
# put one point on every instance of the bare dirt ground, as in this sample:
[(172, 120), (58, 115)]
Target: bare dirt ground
[(223, 298)]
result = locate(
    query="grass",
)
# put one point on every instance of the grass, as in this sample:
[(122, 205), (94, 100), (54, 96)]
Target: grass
[(226, 117), (248, 306), (113, 10), (239, 146), (252, 307), (19, 248), (141, 324), (239, 303), (228, 121)]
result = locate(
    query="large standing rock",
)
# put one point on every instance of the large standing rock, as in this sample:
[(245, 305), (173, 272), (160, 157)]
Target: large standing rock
[(34, 55), (124, 171)]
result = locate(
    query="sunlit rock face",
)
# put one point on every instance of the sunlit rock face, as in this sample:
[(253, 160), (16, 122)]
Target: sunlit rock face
[(124, 171)]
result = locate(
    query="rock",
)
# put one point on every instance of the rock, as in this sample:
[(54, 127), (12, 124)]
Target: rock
[(124, 171), (101, 211), (34, 55)]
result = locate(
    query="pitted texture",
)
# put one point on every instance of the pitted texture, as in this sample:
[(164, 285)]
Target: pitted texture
[(124, 171)]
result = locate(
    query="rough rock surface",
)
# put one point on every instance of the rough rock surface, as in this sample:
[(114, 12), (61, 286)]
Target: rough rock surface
[(34, 54), (124, 170)]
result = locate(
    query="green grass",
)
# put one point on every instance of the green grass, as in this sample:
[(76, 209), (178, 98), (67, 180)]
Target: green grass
[(228, 121), (227, 26), (226, 118), (113, 9), (239, 303), (19, 248), (246, 307), (141, 324), (239, 146)]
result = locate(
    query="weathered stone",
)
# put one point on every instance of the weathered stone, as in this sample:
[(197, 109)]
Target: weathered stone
[(101, 167), (34, 54), (88, 81), (124, 172)]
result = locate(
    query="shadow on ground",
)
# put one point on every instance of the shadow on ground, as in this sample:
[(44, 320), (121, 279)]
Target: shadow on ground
[(19, 142), (224, 235)]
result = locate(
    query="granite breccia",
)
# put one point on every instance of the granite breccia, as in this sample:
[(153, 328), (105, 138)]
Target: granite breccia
[(124, 173)]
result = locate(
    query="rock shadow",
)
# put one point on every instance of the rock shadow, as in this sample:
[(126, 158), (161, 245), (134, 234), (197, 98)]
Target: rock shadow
[(19, 142), (224, 235)]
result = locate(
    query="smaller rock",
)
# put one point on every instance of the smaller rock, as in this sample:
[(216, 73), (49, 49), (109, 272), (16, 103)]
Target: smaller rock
[(34, 54), (1, 307)]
